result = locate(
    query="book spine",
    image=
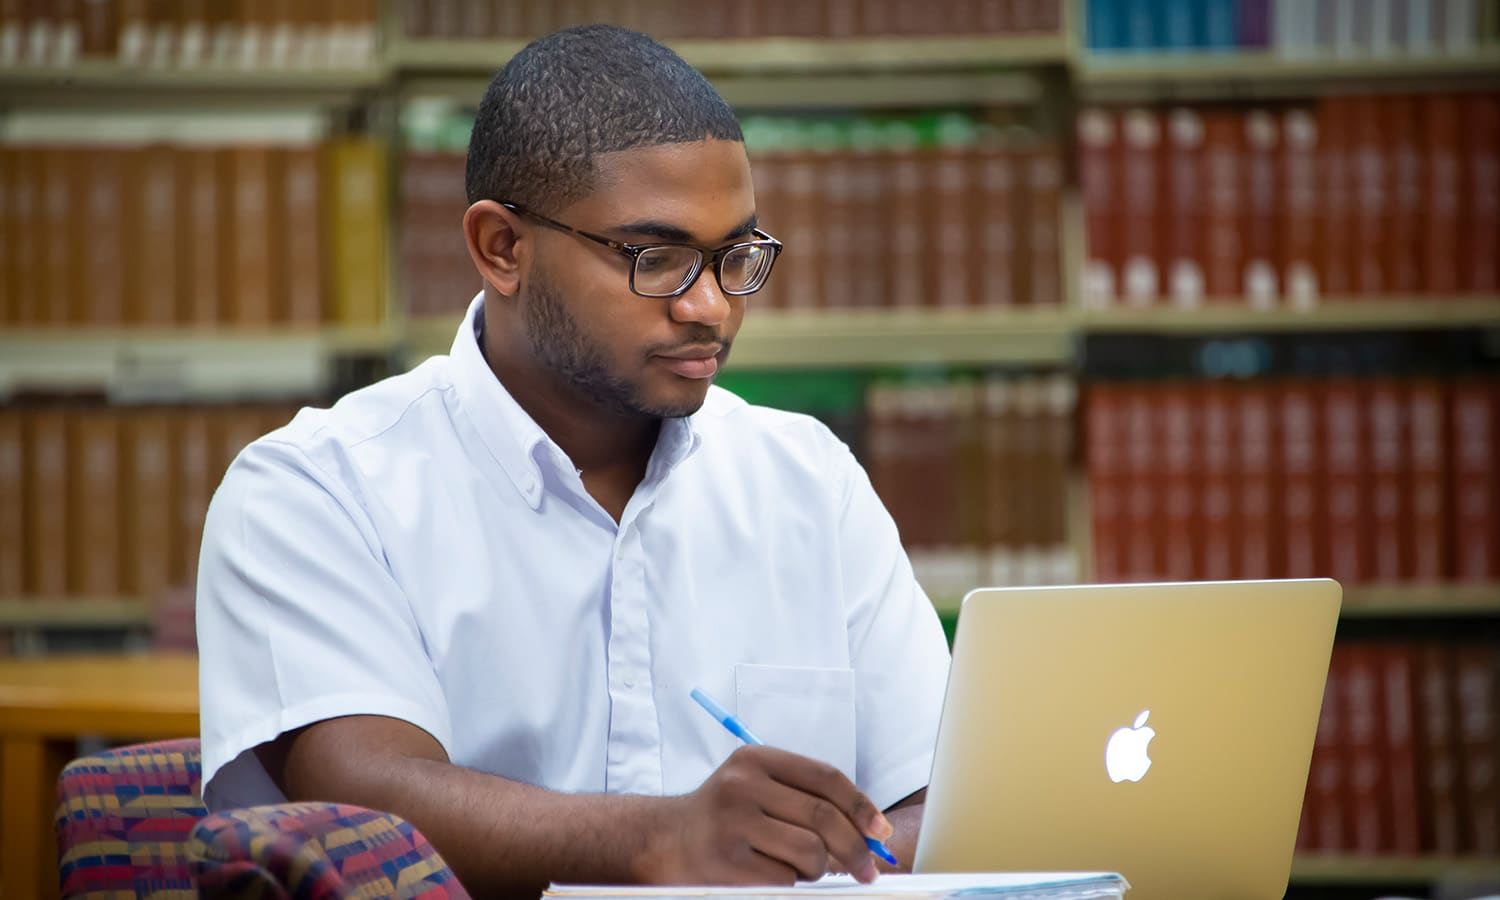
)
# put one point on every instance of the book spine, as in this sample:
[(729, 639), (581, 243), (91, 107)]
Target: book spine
[(60, 188), (1298, 220), (1442, 212), (1336, 220), (1097, 140), (201, 210), (1222, 527), (994, 220), (1427, 450), (94, 504), (1475, 474), (1225, 246), (8, 312), (25, 228), (1042, 165), (197, 477), (156, 285), (148, 470), (1371, 200), (1184, 183), (1403, 775), (1303, 510), (1257, 482), (1327, 776), (1477, 672), (906, 268), (251, 210), (1390, 489), (838, 190), (1262, 137), (15, 544), (1346, 467), (1479, 247), (1142, 559), (1140, 219), (1401, 136), (106, 204), (1106, 426), (1365, 797), (1180, 462), (300, 234), (358, 237), (1442, 800)]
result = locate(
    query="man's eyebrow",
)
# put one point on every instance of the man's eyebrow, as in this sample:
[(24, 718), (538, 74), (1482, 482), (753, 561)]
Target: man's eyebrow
[(669, 232)]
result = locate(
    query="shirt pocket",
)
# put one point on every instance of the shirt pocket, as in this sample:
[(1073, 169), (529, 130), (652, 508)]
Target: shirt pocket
[(805, 710)]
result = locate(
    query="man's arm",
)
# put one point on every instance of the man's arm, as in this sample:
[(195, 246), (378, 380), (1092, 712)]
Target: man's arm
[(765, 817), (905, 817)]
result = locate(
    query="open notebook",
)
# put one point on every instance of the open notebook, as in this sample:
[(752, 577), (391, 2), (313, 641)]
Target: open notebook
[(1010, 885)]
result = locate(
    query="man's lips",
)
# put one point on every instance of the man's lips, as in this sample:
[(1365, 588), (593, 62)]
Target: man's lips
[(696, 362)]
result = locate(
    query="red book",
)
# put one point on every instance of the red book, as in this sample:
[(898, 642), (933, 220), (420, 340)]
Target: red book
[(94, 498), (1299, 211), (1371, 198), (1477, 674), (1106, 425), (1258, 491), (1336, 203), (1226, 202), (106, 195), (1219, 464), (867, 170), (1473, 501), (1440, 223), (1390, 480), (1039, 280), (198, 475), (1442, 799), (1099, 173), (1345, 465), (1303, 511), (1427, 433), (1405, 203), (1326, 775), (991, 214), (1139, 220), (1261, 139), (1142, 500), (1186, 203), (1178, 459), (1479, 246), (838, 201), (1365, 798), (800, 280), (1403, 775), (906, 183)]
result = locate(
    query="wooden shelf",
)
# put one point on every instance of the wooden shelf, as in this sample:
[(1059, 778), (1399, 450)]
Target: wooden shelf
[(803, 56), (90, 82), (1348, 870), (1331, 314), (1204, 75), (74, 612), (775, 338), (172, 364)]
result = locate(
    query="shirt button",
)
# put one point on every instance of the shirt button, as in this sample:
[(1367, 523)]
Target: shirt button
[(630, 681)]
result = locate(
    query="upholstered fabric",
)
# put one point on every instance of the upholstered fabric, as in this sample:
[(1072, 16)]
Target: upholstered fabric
[(123, 821), (312, 851)]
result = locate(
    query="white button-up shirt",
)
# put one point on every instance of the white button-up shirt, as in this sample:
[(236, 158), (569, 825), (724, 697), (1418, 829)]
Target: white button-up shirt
[(422, 550)]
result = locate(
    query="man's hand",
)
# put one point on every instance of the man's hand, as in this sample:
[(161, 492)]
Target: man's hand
[(765, 817)]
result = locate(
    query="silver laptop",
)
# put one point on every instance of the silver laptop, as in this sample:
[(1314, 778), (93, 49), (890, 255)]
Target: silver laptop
[(1162, 731)]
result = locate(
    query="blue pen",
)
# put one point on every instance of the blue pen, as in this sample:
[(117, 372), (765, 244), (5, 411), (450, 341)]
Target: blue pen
[(738, 729)]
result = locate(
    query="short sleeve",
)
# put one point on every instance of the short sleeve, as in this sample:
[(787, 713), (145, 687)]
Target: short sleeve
[(299, 620), (896, 645)]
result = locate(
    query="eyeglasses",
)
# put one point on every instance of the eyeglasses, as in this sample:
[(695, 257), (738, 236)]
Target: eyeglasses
[(668, 270)]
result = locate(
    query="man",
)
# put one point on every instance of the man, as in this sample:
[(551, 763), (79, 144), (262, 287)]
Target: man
[(478, 594)]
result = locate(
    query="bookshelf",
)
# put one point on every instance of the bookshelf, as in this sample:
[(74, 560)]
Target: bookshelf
[(74, 613), (1327, 871), (48, 87)]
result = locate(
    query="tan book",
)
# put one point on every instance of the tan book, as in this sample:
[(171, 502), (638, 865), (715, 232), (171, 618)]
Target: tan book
[(8, 311), (99, 34), (25, 229), (197, 476), (156, 288), (147, 475), (94, 504), (104, 301), (356, 189), (204, 281), (253, 261), (13, 539), (299, 231), (47, 525), (135, 278), (61, 189)]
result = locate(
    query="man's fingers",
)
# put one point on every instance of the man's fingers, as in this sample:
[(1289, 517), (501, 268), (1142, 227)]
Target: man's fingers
[(818, 778), (818, 818), (792, 845)]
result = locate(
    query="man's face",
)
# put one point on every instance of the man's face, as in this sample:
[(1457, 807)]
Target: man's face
[(626, 353)]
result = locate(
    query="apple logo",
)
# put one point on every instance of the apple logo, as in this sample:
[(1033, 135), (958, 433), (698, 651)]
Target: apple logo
[(1125, 757)]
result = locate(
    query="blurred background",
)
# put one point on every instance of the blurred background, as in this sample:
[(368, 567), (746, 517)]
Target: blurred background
[(1098, 290)]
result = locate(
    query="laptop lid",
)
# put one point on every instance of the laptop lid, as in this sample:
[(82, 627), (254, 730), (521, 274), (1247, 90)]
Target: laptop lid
[(1162, 731)]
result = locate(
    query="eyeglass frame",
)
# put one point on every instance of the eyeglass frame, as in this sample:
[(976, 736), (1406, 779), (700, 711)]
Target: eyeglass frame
[(714, 257)]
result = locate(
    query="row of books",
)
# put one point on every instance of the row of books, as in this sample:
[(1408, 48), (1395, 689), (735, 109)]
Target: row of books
[(1384, 480), (896, 212), (1405, 760), (104, 502), (190, 34), (1336, 28), (975, 474), (241, 235), (1359, 196), (668, 19)]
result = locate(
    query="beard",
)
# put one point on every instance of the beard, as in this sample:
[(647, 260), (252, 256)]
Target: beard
[(580, 362)]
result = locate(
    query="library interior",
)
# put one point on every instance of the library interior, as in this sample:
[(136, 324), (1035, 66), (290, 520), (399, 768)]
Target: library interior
[(1097, 291)]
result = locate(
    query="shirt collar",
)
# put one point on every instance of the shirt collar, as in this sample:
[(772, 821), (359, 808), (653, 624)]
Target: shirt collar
[(515, 440)]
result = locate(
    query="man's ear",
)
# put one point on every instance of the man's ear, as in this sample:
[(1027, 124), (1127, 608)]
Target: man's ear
[(496, 245)]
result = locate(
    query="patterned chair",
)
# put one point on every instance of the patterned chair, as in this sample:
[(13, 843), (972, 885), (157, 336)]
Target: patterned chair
[(131, 823)]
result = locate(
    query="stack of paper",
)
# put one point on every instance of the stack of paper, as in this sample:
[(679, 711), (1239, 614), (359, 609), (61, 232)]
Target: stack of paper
[(968, 886)]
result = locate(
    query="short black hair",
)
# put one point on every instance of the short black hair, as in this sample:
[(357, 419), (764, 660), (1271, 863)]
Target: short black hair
[(580, 92)]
